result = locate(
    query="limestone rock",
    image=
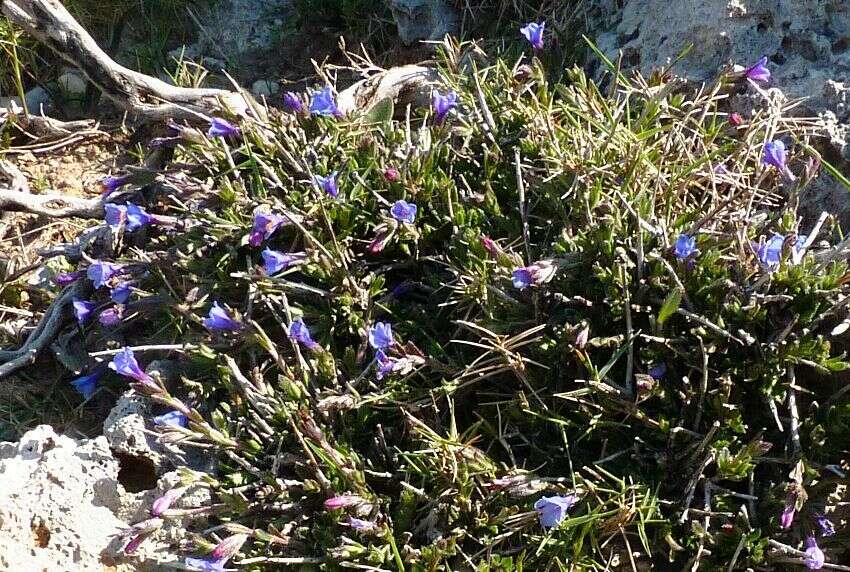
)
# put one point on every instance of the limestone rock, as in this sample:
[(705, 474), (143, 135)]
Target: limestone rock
[(422, 19), (72, 84)]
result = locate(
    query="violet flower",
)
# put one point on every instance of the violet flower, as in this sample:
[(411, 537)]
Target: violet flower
[(87, 384), (769, 253), (552, 510), (100, 272), (265, 225), (404, 211), (83, 310), (381, 336), (222, 128), (776, 156), (533, 32), (65, 278), (786, 519), (220, 320), (121, 292), (685, 247), (124, 363), (164, 502), (133, 217), (328, 184), (827, 528), (814, 559), (758, 72), (323, 102), (292, 103), (386, 364), (204, 564), (361, 525), (443, 104), (109, 184), (111, 316), (658, 371), (522, 278), (299, 332), (274, 261), (173, 418), (536, 274)]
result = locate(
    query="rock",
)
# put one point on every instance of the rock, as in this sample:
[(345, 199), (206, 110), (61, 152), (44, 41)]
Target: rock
[(807, 43), (422, 19), (126, 431), (39, 100), (264, 88), (72, 84), (6, 102)]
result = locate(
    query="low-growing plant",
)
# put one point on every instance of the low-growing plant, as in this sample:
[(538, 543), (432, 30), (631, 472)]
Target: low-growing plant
[(538, 327)]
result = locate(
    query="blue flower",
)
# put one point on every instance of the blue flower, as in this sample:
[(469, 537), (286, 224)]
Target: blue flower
[(205, 564), (814, 559), (776, 156), (381, 336), (100, 272), (658, 371), (386, 364), (222, 128), (120, 293), (109, 184), (685, 247), (83, 310), (174, 418), (292, 103), (111, 316), (132, 217), (361, 525), (114, 215), (299, 332), (758, 71), (533, 32), (274, 261), (826, 526), (403, 211), (522, 278), (124, 363), (769, 253), (328, 184), (265, 225), (443, 104), (219, 320), (323, 102), (553, 510), (65, 278), (88, 383)]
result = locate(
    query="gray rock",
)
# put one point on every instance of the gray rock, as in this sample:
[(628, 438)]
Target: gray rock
[(264, 88), (423, 19), (72, 84), (807, 43), (39, 100)]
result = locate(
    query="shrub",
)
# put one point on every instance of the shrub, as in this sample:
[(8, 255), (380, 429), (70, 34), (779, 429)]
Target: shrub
[(593, 329)]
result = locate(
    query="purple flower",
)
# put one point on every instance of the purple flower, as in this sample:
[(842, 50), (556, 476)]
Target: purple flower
[(361, 525), (685, 247), (533, 32), (274, 261), (100, 272), (381, 336), (164, 502), (386, 364), (111, 316), (265, 225), (222, 128), (522, 278), (109, 184), (120, 293), (83, 310), (299, 332), (323, 102), (404, 211), (786, 519), (758, 71), (552, 510), (65, 278), (443, 104), (292, 103), (776, 156), (88, 383), (173, 418), (826, 526), (228, 547), (204, 564), (328, 184), (769, 253), (343, 501), (658, 371), (814, 559), (124, 363), (219, 320)]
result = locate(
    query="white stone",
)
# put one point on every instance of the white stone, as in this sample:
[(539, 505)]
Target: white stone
[(264, 88), (72, 84)]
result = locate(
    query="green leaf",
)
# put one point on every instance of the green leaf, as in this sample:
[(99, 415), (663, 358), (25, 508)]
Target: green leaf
[(671, 304)]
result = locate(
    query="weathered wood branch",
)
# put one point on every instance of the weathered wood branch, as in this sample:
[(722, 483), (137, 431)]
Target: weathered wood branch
[(403, 85), (50, 23), (15, 196)]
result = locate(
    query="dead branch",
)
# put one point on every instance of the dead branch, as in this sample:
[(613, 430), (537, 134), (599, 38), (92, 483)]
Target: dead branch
[(17, 197), (41, 126), (50, 23), (403, 85)]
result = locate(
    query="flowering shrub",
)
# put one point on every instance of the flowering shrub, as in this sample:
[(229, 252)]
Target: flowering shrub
[(533, 327)]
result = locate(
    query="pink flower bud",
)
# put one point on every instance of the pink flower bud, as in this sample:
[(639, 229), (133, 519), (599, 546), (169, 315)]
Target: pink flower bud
[(392, 175), (228, 547), (164, 502), (343, 501)]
